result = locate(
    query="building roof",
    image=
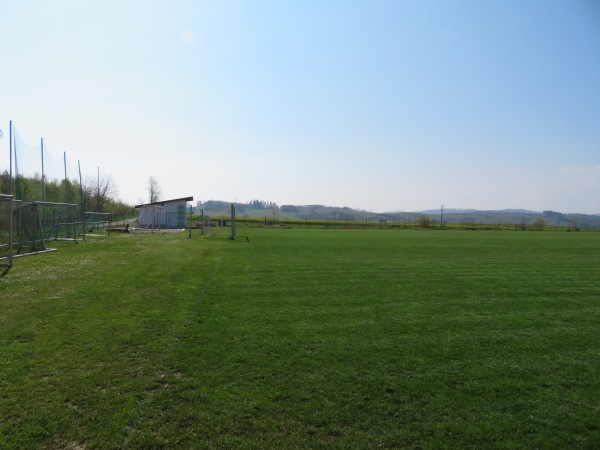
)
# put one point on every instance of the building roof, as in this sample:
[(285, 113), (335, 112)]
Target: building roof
[(162, 202)]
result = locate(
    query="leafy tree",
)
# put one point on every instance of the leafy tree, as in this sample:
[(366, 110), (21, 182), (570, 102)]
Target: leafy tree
[(424, 221), (96, 196), (553, 215), (240, 208), (261, 204), (215, 205), (539, 224), (5, 183)]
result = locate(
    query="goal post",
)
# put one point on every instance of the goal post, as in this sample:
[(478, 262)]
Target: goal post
[(233, 229), (232, 221)]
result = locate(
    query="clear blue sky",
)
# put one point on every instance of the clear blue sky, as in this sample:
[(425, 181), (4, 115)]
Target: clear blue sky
[(377, 105)]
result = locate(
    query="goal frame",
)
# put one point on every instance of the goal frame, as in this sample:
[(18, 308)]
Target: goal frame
[(102, 220)]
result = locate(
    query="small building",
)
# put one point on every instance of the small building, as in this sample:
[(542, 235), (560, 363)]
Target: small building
[(165, 213)]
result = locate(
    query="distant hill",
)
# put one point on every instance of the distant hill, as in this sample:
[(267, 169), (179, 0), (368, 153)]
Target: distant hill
[(259, 208), (514, 216), (475, 211)]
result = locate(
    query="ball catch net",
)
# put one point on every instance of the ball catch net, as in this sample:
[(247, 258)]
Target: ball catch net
[(28, 235), (6, 230), (59, 221)]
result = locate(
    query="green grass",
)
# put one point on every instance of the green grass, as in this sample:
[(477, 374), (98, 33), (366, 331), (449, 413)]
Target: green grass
[(304, 338)]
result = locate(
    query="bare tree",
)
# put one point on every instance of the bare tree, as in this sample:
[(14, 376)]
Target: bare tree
[(573, 224), (98, 191), (274, 213), (153, 190)]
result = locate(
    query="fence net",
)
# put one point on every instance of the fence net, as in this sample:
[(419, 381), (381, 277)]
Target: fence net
[(59, 221), (28, 236), (5, 229)]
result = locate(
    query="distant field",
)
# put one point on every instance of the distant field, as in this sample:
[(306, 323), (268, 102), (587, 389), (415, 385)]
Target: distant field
[(313, 338)]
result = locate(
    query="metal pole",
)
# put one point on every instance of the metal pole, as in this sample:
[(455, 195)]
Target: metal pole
[(43, 174), (66, 187), (37, 207), (10, 145), (81, 198)]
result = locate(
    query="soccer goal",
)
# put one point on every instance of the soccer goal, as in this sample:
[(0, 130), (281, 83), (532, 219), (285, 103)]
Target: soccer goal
[(96, 222), (59, 221), (6, 233)]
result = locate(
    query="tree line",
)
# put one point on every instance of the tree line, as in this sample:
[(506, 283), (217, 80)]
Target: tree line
[(93, 195), (219, 206)]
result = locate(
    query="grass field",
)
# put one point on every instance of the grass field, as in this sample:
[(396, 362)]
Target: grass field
[(304, 339)]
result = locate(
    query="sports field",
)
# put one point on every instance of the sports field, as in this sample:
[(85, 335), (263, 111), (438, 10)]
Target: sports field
[(300, 338)]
